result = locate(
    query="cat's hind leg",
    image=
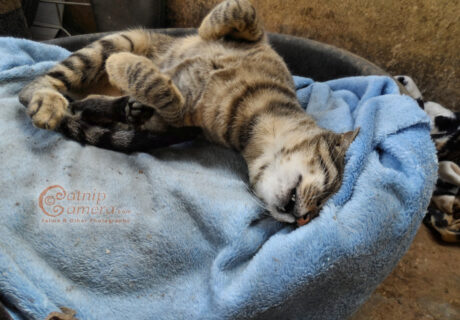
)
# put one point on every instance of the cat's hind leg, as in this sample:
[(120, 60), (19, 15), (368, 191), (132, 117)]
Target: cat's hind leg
[(106, 111), (100, 110), (121, 138), (139, 78), (121, 124), (235, 19)]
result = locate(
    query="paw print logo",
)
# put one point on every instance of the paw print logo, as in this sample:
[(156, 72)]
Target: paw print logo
[(48, 201)]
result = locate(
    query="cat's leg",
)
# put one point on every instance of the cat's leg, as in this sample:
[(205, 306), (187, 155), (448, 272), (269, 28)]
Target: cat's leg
[(236, 19), (121, 124), (105, 111), (125, 138), (139, 78), (100, 110), (44, 97)]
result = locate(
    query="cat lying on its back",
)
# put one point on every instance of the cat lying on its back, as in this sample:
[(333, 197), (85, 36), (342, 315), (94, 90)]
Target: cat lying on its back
[(226, 80)]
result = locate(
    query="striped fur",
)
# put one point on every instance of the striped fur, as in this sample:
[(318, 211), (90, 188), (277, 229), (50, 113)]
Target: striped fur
[(226, 80)]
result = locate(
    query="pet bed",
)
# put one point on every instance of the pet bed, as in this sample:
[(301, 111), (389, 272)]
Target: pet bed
[(175, 234)]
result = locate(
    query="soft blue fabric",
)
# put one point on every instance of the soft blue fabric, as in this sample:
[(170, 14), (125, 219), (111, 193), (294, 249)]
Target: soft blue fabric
[(194, 243)]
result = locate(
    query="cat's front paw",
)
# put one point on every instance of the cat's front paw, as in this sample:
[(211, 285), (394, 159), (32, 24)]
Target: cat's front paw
[(124, 70), (47, 108), (115, 66)]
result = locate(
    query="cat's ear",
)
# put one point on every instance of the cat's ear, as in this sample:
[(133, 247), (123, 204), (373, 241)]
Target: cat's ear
[(347, 138)]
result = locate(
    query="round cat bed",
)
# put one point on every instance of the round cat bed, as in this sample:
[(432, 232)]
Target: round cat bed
[(197, 244), (324, 61)]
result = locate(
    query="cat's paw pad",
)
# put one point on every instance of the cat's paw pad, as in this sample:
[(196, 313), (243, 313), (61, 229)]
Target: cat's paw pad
[(47, 108), (137, 113)]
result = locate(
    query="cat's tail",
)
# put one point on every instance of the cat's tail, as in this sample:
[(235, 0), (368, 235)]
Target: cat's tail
[(236, 19), (124, 140)]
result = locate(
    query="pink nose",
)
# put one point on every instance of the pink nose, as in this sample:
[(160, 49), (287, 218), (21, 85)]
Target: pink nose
[(307, 217), (303, 221)]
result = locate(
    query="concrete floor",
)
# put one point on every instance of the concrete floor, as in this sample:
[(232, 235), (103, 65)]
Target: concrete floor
[(425, 284)]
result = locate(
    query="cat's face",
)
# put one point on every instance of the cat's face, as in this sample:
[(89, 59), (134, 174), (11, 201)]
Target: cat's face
[(302, 177)]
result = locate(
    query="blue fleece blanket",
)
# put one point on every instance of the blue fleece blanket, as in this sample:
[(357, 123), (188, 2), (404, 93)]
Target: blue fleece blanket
[(177, 235)]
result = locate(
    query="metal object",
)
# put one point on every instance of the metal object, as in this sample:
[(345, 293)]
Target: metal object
[(59, 4), (70, 3)]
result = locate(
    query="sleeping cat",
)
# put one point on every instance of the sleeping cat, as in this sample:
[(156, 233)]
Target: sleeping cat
[(226, 80)]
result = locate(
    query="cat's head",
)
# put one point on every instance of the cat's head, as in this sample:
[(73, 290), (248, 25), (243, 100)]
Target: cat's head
[(295, 181)]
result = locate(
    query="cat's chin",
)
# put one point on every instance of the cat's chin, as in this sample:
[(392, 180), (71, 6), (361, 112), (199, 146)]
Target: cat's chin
[(282, 217)]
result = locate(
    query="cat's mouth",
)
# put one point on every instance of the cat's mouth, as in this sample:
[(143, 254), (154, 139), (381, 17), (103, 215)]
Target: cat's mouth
[(289, 204), (288, 209)]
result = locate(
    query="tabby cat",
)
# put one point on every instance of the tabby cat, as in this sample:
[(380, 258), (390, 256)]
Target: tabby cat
[(226, 80)]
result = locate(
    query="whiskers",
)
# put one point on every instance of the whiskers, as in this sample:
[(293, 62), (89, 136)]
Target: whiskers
[(313, 195), (256, 198), (264, 213)]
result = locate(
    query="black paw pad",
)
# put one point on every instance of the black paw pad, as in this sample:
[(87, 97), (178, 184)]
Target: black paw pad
[(137, 113)]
